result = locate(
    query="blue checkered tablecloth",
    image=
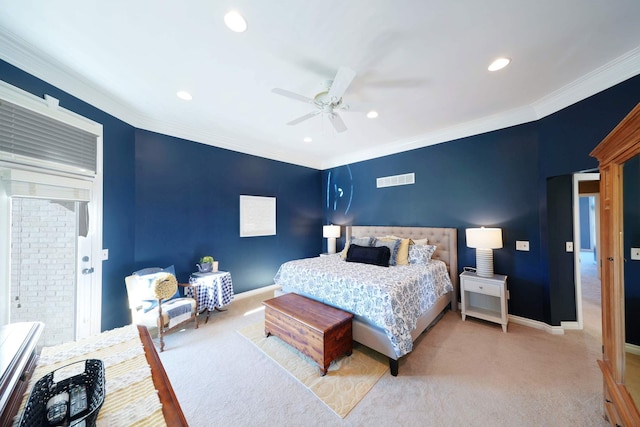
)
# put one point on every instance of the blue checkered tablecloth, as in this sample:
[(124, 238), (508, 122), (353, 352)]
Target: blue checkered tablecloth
[(214, 289)]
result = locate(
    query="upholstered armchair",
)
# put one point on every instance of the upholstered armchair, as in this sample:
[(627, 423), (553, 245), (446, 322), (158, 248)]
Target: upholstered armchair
[(155, 302)]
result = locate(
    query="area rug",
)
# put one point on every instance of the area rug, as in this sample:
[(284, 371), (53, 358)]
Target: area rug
[(348, 380)]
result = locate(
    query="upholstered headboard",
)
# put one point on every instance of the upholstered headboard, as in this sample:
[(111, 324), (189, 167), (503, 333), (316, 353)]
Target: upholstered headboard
[(445, 239)]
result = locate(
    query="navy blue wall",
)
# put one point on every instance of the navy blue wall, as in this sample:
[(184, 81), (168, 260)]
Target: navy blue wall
[(192, 191), (585, 223), (188, 205), (494, 179), (631, 197)]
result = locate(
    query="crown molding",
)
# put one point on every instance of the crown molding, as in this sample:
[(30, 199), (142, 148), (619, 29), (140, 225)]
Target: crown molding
[(21, 54), (602, 78), (620, 69), (501, 120)]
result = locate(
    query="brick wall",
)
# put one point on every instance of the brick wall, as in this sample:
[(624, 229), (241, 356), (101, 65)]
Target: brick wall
[(43, 253)]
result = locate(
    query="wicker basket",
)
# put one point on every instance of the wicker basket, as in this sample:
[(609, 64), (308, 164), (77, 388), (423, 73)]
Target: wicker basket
[(92, 379)]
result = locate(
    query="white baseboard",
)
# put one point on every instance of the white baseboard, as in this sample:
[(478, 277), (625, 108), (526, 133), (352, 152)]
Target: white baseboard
[(253, 292), (632, 348), (553, 330), (570, 325)]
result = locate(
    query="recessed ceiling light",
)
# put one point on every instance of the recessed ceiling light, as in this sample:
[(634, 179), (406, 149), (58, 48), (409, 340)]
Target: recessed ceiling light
[(235, 21), (307, 139), (183, 94), (372, 114), (499, 64)]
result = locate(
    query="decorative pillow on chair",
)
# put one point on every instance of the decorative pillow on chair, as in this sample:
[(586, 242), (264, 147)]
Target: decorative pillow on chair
[(421, 254), (146, 280), (369, 255)]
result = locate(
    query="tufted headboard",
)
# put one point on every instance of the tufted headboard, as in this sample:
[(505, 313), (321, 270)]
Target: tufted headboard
[(445, 239)]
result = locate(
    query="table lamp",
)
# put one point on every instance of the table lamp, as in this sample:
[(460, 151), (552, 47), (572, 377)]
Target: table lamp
[(331, 232), (484, 240)]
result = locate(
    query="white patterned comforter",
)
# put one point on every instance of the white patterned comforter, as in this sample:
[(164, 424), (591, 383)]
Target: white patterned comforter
[(392, 298)]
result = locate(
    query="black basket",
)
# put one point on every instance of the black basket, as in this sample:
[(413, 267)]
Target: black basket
[(91, 380)]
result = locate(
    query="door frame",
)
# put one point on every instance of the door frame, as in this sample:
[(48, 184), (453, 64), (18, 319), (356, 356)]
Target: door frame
[(577, 178), (90, 321)]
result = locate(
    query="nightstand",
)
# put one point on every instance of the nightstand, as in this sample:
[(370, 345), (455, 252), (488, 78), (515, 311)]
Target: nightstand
[(484, 297)]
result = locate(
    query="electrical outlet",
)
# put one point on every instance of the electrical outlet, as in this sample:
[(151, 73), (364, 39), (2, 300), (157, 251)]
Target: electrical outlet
[(569, 246), (522, 245), (635, 254)]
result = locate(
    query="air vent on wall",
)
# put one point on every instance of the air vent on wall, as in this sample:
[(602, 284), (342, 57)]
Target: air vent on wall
[(392, 181)]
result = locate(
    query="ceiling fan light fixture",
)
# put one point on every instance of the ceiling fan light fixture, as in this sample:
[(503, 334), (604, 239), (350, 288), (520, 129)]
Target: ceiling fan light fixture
[(184, 95), (372, 114), (235, 21), (499, 64)]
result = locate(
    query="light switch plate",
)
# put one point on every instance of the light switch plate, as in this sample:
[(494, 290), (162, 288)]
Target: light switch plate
[(569, 246), (522, 245), (105, 254), (635, 254)]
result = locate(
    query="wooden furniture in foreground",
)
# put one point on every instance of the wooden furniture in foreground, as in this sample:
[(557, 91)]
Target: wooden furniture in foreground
[(622, 144), (320, 331), (484, 297), (18, 360), (18, 356), (171, 410)]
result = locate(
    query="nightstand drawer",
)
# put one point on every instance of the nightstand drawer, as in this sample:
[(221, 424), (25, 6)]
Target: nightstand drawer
[(477, 286)]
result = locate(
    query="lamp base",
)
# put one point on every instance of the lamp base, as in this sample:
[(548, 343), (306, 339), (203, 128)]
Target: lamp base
[(484, 262), (331, 245)]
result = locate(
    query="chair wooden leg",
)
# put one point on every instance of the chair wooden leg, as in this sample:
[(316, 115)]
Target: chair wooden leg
[(160, 325)]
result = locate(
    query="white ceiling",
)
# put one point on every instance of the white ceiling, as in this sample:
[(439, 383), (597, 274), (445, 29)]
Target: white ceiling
[(421, 64)]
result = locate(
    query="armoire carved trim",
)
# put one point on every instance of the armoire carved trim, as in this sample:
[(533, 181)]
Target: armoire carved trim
[(620, 145)]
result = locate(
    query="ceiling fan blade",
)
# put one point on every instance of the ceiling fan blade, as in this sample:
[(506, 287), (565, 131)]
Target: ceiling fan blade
[(341, 82), (292, 95), (337, 122), (303, 118)]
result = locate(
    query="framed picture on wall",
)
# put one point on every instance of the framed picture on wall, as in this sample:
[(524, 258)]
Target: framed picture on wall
[(257, 216)]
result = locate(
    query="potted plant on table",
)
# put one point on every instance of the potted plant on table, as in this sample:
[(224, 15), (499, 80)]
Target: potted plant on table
[(207, 264)]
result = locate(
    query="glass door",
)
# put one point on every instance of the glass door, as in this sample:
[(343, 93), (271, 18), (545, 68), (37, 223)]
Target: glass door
[(45, 237)]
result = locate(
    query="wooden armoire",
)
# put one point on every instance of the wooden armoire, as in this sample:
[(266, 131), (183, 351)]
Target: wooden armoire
[(622, 144)]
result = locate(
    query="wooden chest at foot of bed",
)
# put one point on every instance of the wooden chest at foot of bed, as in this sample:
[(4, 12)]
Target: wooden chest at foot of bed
[(320, 331)]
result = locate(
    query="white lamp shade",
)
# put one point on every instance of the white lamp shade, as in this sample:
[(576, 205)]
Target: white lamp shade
[(329, 231), (484, 238)]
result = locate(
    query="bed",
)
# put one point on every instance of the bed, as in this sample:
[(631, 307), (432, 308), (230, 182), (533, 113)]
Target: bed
[(383, 331)]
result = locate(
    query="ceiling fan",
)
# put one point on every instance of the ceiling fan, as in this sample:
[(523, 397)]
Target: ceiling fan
[(327, 101)]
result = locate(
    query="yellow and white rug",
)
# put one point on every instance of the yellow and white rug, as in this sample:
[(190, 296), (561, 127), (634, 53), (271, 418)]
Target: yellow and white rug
[(348, 380)]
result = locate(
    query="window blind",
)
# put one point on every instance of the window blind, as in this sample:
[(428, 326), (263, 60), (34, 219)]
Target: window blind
[(24, 132)]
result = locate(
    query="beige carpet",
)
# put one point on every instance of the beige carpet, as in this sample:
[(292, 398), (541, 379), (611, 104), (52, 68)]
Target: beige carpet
[(458, 374), (348, 380)]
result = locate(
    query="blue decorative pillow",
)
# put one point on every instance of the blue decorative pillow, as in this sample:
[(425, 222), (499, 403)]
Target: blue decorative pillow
[(369, 255), (360, 241), (393, 245), (421, 254), (147, 278)]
